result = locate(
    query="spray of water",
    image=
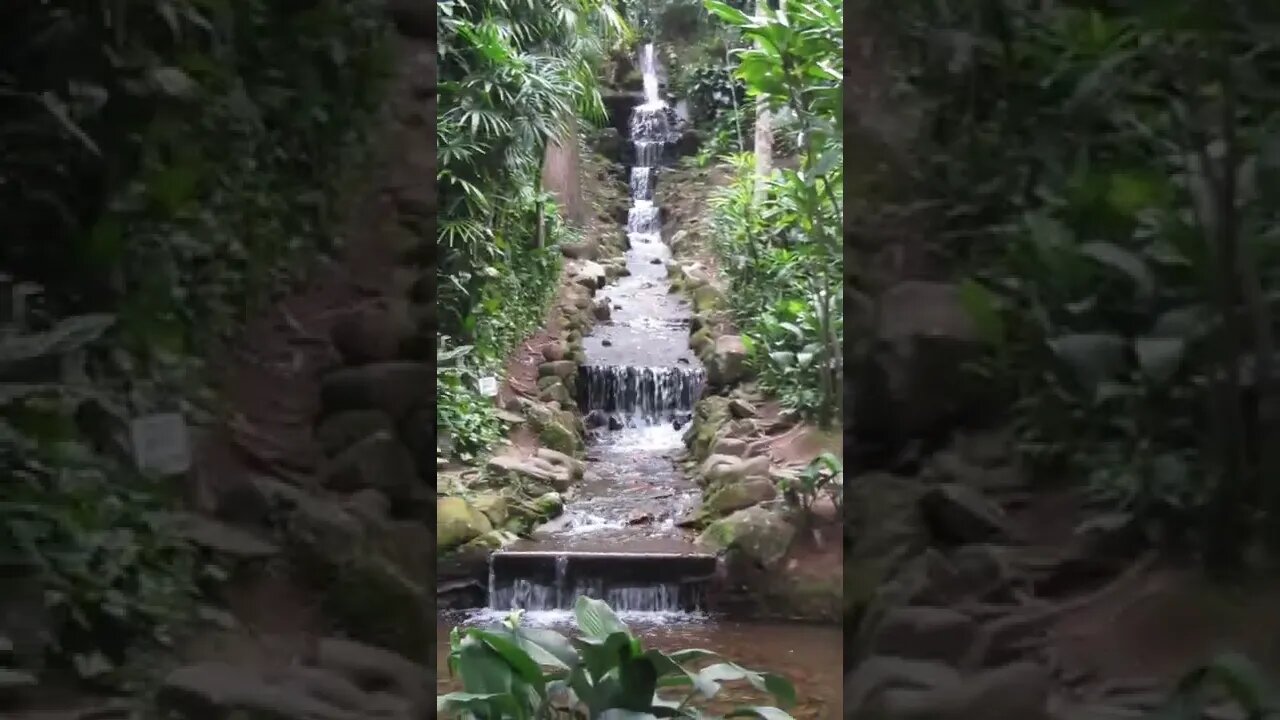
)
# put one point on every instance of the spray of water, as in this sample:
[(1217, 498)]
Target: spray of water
[(649, 70)]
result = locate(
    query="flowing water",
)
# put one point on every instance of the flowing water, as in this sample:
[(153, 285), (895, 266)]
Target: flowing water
[(620, 539)]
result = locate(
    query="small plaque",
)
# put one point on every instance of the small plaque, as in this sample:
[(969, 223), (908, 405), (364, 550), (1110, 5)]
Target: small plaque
[(488, 386), (161, 444)]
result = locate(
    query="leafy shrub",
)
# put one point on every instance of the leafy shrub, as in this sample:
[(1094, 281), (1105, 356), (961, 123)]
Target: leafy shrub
[(1230, 675), (531, 674), (823, 476)]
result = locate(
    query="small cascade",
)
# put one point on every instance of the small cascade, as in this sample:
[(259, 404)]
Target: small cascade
[(643, 218), (642, 183), (648, 394), (654, 583)]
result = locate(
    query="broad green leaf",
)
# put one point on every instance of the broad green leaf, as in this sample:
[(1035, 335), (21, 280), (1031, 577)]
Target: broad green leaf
[(1159, 357), (983, 308), (597, 619), (1117, 258), (1091, 357), (515, 656)]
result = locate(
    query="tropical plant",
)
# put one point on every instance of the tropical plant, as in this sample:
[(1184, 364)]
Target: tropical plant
[(792, 237), (1229, 677), (515, 672)]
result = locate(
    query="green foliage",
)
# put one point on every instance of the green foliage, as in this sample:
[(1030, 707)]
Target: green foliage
[(823, 476), (1228, 676), (606, 674), (1107, 177), (465, 422), (513, 77), (167, 166), (780, 240)]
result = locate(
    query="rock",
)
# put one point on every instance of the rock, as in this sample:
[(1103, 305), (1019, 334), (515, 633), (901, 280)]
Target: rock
[(369, 505), (547, 381), (730, 446), (222, 538), (757, 534), (737, 496), (458, 522), (885, 524), (961, 515), (395, 388), (556, 392), (952, 467), (535, 468), (710, 414), (492, 540), (589, 274), (615, 423), (595, 419), (724, 470), (708, 298), (726, 361), (373, 333), (380, 462), (554, 351), (601, 310), (560, 437), (876, 675), (575, 466), (493, 506), (342, 430), (558, 368), (1014, 692), (587, 249), (741, 409), (215, 690), (915, 380), (1009, 638), (512, 418), (372, 667), (700, 341), (925, 633)]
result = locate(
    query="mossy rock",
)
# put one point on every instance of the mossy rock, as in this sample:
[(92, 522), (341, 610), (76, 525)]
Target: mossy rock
[(707, 298), (492, 540), (709, 415), (557, 436), (739, 496), (762, 536), (493, 506), (700, 341), (458, 522), (373, 602)]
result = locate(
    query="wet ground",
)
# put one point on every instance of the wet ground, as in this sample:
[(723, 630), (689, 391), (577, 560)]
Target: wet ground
[(808, 655)]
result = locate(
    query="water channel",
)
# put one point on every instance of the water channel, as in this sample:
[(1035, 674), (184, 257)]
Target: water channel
[(619, 539)]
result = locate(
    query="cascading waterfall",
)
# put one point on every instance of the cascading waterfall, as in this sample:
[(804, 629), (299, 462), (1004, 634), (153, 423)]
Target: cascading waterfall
[(645, 405), (646, 394)]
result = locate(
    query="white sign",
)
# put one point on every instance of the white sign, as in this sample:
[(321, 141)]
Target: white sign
[(488, 386), (161, 444)]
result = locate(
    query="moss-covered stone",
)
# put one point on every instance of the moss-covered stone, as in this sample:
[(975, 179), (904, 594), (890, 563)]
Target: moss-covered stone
[(458, 522), (740, 495), (560, 438), (709, 415), (707, 298), (493, 506), (760, 535), (373, 602), (700, 341)]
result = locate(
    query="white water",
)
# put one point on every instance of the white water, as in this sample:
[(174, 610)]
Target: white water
[(649, 69)]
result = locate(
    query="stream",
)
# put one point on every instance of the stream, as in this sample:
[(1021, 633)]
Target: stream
[(619, 538)]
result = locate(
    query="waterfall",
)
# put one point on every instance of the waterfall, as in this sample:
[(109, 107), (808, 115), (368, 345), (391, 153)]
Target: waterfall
[(649, 395), (649, 69)]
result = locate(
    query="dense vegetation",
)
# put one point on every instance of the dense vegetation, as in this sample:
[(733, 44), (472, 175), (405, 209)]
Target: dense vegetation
[(1106, 176), (532, 674), (514, 76), (165, 167), (779, 239)]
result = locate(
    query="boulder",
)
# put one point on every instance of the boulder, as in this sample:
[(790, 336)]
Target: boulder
[(575, 466), (708, 298), (493, 506), (710, 414), (925, 633), (556, 392), (215, 690), (558, 368), (537, 469), (395, 388), (887, 530), (342, 430), (732, 497), (374, 667), (730, 446), (380, 462), (554, 351), (874, 676), (742, 409), (601, 310), (222, 538), (915, 380), (726, 361), (1015, 692), (700, 341), (560, 437), (755, 533), (458, 522), (960, 515), (729, 470), (372, 333), (588, 274), (586, 249)]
